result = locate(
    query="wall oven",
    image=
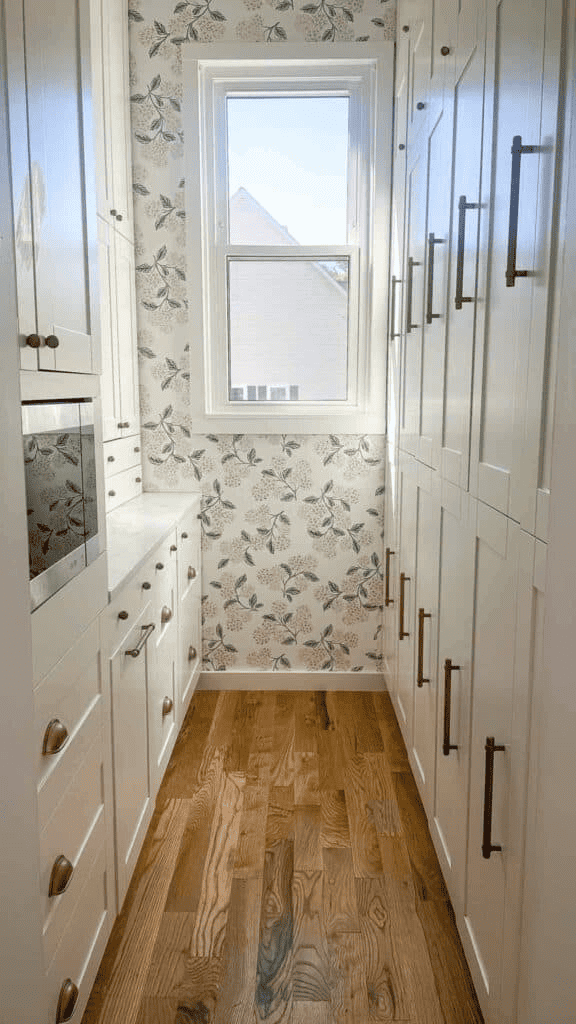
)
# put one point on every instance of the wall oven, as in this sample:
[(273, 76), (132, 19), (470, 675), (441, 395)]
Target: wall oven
[(61, 493)]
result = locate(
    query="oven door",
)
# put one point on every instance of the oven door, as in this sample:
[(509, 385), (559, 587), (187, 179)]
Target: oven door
[(60, 470)]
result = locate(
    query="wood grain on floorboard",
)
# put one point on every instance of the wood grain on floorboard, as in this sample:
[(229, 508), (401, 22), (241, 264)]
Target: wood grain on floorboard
[(288, 877)]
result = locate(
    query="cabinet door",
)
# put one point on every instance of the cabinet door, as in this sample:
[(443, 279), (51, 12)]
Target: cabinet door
[(124, 309), (410, 395), (162, 699), (111, 411), (190, 648), (118, 103), (395, 319), (391, 556), (456, 554), (423, 749), (462, 294), (405, 621), (132, 784), (514, 338), (494, 590), (63, 224)]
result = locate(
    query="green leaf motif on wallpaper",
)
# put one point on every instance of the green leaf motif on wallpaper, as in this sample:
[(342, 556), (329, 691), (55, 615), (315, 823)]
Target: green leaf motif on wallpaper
[(158, 104)]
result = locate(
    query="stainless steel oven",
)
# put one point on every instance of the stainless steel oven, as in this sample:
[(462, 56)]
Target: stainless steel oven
[(61, 494)]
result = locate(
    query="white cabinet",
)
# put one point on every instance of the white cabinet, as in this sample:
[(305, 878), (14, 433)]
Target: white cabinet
[(189, 609), (391, 555), (406, 608), (49, 93), (120, 409)]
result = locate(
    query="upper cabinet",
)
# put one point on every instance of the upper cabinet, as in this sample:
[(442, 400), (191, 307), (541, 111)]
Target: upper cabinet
[(49, 90), (112, 114)]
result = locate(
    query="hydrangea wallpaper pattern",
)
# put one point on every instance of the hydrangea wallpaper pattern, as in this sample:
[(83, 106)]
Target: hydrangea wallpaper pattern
[(291, 525)]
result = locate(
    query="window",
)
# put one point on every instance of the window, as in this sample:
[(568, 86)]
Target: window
[(287, 198)]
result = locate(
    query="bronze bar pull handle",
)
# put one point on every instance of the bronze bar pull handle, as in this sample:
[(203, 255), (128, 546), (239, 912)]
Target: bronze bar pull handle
[(459, 298), (393, 333), (409, 287), (488, 846), (402, 632), (147, 631), (517, 150), (448, 669), (421, 616), (387, 599), (432, 241)]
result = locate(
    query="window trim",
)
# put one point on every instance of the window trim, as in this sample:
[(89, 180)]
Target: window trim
[(207, 66)]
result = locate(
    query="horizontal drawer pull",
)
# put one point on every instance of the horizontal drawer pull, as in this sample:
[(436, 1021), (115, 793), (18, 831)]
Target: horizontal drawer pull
[(191, 572), (192, 653), (147, 631), (167, 705), (166, 614), (55, 737), (66, 1001), (62, 871)]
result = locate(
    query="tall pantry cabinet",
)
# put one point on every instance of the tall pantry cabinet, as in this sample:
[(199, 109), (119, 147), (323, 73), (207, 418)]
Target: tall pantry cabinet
[(472, 356)]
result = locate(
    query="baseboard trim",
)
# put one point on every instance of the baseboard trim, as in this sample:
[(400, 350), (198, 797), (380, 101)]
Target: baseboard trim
[(353, 681)]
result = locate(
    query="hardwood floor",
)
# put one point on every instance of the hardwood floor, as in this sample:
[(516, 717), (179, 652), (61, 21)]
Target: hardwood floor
[(288, 875)]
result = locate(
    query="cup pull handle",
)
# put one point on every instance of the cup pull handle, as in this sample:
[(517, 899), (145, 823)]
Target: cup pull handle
[(55, 737)]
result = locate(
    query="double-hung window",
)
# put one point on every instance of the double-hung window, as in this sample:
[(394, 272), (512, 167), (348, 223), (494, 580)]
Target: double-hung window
[(287, 213)]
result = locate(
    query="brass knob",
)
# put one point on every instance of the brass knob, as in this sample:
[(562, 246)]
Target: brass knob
[(191, 572), (33, 341), (111, 458), (55, 737), (184, 536), (111, 494), (137, 448), (420, 105), (118, 216), (122, 425), (123, 615), (173, 547), (444, 50), (146, 585), (167, 705), (62, 871), (405, 28), (66, 1001), (159, 565), (166, 614), (401, 146), (138, 479), (52, 341), (113, 213), (192, 653)]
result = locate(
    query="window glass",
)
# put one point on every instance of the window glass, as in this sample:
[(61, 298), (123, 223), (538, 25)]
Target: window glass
[(287, 170), (288, 329)]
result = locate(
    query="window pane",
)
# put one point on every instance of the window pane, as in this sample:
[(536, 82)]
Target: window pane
[(288, 329), (287, 170)]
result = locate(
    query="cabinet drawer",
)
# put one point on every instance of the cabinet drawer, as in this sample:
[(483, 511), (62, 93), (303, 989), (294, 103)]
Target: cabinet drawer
[(119, 617), (122, 454), (122, 487), (162, 571)]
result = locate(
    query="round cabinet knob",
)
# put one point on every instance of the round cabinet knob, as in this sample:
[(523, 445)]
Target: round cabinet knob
[(146, 585), (138, 479), (167, 705), (52, 341), (420, 105), (166, 614), (111, 458), (405, 28), (159, 565), (62, 871), (33, 341), (192, 653), (184, 536), (444, 50), (173, 547), (401, 146), (111, 494), (118, 216), (191, 572), (123, 616), (113, 213), (137, 448), (55, 737), (66, 1001)]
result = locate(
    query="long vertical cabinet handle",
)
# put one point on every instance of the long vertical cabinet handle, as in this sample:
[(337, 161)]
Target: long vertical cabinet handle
[(420, 675), (393, 333), (401, 631), (488, 846), (517, 151), (459, 298), (432, 241), (409, 287), (448, 669), (387, 599)]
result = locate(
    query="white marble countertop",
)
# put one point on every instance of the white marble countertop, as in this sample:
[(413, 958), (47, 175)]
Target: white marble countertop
[(135, 528)]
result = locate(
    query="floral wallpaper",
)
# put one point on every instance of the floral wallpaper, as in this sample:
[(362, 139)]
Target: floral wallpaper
[(291, 525)]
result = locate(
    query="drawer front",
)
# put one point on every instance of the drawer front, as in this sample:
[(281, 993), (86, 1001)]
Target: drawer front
[(123, 487), (162, 702), (66, 695), (162, 571), (119, 617), (189, 574), (82, 946), (54, 782), (189, 646), (122, 454)]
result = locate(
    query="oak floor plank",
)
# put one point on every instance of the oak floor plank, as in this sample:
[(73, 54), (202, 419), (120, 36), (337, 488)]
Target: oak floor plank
[(313, 973), (283, 767), (236, 1004), (335, 830), (428, 881), (349, 996), (120, 984), (306, 783), (195, 995), (394, 746), (357, 723), (280, 823), (251, 849), (263, 735), (457, 997), (311, 1013), (365, 848), (181, 777), (243, 728), (274, 969), (167, 963), (388, 984), (305, 727), (383, 804), (307, 851), (340, 908), (330, 760)]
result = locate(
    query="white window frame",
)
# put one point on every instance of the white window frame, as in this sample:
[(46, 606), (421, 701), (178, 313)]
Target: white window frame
[(365, 73)]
